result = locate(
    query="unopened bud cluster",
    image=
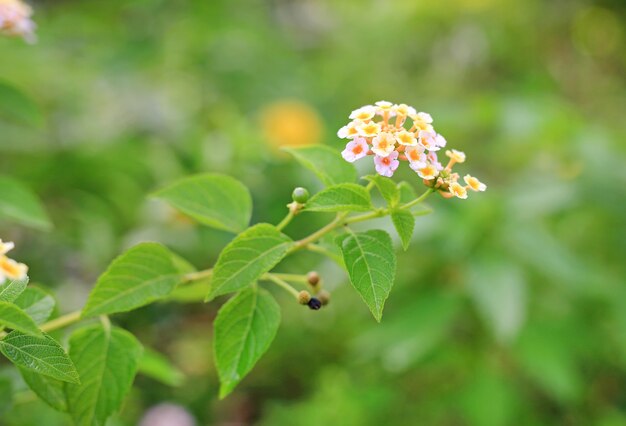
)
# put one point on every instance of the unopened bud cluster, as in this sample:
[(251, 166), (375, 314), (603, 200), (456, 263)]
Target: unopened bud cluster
[(321, 298), (397, 132)]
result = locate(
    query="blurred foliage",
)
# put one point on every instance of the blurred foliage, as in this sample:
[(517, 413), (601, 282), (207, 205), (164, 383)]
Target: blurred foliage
[(509, 308)]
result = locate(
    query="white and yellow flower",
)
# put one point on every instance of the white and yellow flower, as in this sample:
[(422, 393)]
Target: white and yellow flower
[(404, 110), (350, 130), (426, 171), (6, 247), (383, 144), (369, 130), (385, 108), (9, 268), (365, 113), (474, 184), (456, 156), (422, 121), (406, 138), (458, 190)]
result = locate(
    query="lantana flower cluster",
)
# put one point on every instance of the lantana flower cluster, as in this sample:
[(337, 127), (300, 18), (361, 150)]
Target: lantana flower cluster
[(397, 132), (9, 268), (15, 20)]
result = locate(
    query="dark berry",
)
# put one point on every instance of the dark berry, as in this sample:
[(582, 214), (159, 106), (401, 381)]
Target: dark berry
[(314, 304)]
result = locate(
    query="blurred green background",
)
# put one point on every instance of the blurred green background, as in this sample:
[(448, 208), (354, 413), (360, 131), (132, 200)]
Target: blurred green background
[(508, 309)]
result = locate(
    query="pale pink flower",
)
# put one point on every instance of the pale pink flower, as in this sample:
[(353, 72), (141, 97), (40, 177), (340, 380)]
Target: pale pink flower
[(355, 150), (434, 160), (15, 20), (415, 155), (385, 166), (428, 140), (440, 141)]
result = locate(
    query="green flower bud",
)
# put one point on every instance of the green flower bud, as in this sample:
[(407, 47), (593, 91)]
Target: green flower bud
[(300, 195)]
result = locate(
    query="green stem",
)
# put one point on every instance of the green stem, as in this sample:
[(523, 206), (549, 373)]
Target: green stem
[(284, 285), (418, 199), (195, 276), (337, 222), (278, 279), (295, 278), (285, 220), (60, 322)]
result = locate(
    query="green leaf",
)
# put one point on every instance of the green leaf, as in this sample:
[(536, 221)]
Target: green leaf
[(407, 193), (251, 254), (158, 367), (11, 289), (387, 188), (107, 360), (339, 198), (244, 329), (143, 274), (404, 222), (371, 264), (16, 319), (325, 162), (17, 107), (41, 354), (36, 303), (20, 205), (48, 389), (214, 200)]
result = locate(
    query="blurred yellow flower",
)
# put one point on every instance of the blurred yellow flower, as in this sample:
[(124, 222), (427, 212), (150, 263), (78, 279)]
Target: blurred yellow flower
[(290, 123)]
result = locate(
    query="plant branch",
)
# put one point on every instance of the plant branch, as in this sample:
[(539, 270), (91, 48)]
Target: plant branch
[(195, 276), (283, 223), (284, 285), (337, 222), (418, 199)]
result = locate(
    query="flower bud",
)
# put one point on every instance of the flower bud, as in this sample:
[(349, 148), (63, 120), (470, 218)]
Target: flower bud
[(313, 278), (300, 195), (324, 297), (304, 297), (314, 304)]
